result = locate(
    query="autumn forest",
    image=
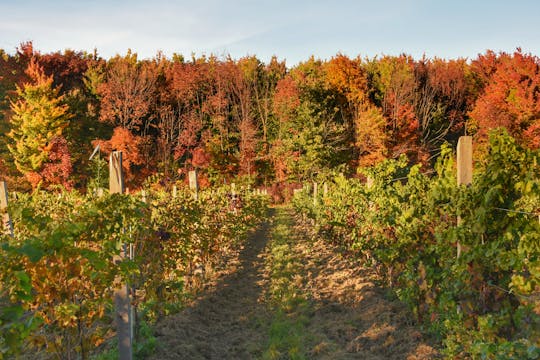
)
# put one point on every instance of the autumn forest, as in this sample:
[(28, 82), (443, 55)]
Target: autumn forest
[(267, 122)]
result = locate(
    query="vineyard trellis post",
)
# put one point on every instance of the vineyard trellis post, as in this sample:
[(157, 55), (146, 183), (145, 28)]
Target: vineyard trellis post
[(121, 293), (143, 196), (369, 182), (7, 226), (315, 193), (193, 183), (369, 185), (464, 169), (325, 190)]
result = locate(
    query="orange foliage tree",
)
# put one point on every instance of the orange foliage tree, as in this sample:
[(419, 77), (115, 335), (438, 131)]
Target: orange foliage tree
[(130, 145), (393, 86), (128, 94), (181, 120), (370, 136), (511, 99), (348, 77)]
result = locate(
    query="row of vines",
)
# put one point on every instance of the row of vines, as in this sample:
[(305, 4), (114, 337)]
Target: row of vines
[(407, 225), (57, 273)]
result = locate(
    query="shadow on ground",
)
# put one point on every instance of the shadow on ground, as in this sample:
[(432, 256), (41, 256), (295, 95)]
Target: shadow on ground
[(349, 317), (228, 321)]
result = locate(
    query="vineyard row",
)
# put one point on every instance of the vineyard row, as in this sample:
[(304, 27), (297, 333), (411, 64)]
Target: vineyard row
[(59, 270), (411, 226)]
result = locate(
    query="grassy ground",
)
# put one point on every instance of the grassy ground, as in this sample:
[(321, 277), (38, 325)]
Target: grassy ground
[(289, 295), (289, 305)]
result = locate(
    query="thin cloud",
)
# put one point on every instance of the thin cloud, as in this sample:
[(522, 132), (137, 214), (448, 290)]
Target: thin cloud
[(290, 29)]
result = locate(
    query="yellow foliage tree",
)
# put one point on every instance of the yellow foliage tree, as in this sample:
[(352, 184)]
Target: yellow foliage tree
[(39, 118)]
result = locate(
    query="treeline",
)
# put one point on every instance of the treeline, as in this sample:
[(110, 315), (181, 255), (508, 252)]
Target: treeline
[(228, 117)]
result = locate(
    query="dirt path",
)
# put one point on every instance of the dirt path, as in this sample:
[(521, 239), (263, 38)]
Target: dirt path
[(226, 322), (288, 297), (351, 317)]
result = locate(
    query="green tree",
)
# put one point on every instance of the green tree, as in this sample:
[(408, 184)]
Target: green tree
[(318, 132), (38, 120)]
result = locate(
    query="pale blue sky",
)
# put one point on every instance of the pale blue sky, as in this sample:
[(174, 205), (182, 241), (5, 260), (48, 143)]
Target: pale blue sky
[(292, 30)]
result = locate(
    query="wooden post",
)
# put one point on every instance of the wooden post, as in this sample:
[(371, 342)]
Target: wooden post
[(116, 175), (315, 194), (7, 226), (233, 188), (143, 196), (193, 183), (464, 169), (325, 190), (121, 293), (369, 182), (464, 160), (174, 191)]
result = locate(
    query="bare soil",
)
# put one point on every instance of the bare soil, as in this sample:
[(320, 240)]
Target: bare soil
[(349, 317), (227, 321), (352, 317)]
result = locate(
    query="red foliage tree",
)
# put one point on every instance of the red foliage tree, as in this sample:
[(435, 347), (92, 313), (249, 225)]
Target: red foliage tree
[(285, 105), (58, 168), (444, 89), (286, 99), (511, 99), (200, 158), (248, 143), (485, 65), (128, 94), (67, 68), (394, 83), (182, 120), (189, 137)]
